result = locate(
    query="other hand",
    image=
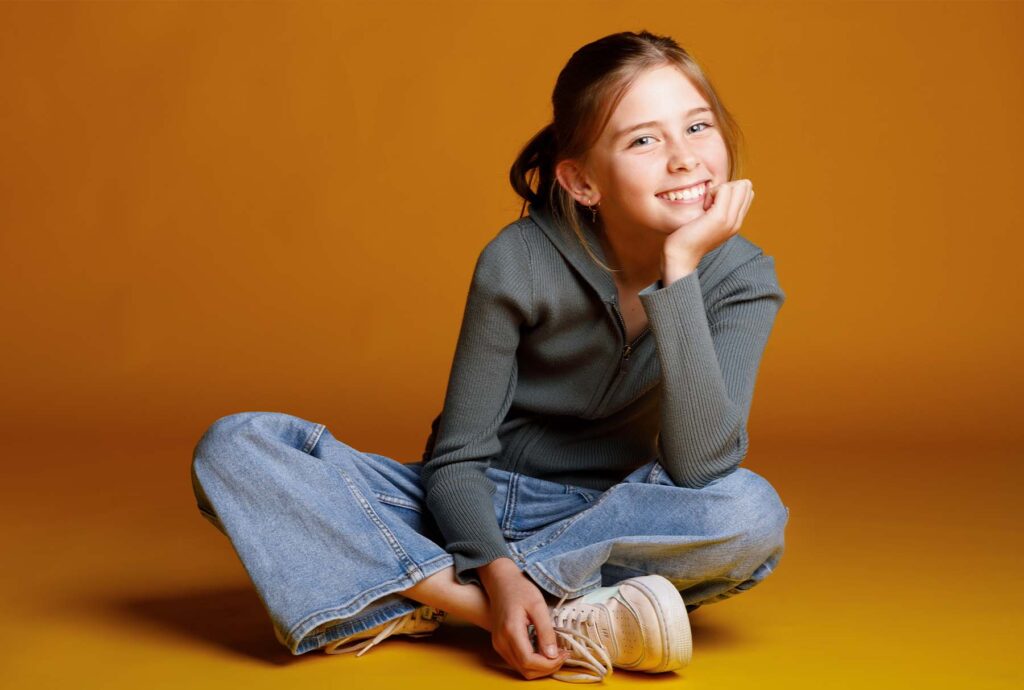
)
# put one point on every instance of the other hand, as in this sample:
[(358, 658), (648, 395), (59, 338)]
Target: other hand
[(725, 206), (516, 602)]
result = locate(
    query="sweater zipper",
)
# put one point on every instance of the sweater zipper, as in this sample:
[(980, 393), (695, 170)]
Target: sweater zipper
[(628, 349), (624, 355)]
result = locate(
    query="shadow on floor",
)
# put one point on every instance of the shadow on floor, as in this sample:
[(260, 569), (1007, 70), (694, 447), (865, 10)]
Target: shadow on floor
[(234, 620), (231, 618)]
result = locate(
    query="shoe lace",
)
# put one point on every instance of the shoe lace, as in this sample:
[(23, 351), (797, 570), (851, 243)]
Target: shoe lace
[(390, 628), (577, 631)]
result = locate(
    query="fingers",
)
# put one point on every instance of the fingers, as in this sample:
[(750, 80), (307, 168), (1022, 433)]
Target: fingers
[(547, 642), (515, 646), (720, 206), (519, 639), (709, 196), (746, 205), (731, 201), (530, 663), (515, 604), (741, 191)]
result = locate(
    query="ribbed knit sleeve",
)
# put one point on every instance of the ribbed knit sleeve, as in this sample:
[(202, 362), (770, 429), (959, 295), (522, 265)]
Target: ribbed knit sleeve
[(480, 391), (709, 360)]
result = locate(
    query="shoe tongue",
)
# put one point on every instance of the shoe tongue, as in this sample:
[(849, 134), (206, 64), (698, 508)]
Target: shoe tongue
[(620, 630), (602, 622)]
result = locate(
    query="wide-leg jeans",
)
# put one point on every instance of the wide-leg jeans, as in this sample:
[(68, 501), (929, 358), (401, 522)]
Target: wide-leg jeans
[(330, 535)]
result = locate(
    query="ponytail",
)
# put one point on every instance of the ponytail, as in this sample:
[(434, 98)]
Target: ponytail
[(536, 160)]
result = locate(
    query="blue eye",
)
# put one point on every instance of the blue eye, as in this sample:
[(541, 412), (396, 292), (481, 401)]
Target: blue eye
[(705, 125)]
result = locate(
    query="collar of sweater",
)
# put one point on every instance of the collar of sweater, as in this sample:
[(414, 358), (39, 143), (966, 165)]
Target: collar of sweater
[(600, 280)]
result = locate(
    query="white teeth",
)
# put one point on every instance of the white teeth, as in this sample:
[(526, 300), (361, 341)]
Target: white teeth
[(686, 195)]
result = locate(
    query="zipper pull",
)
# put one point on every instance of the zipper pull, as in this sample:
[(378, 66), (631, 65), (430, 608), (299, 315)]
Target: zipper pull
[(627, 351)]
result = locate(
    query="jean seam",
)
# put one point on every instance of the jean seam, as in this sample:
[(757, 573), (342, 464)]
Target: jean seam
[(382, 527), (395, 501)]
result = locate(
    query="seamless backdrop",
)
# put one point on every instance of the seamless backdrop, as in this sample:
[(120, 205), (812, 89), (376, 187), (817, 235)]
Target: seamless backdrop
[(214, 207)]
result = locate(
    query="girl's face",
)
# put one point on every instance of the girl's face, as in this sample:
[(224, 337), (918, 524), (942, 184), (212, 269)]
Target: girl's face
[(661, 136)]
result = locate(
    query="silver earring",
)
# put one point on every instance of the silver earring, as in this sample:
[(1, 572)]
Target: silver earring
[(593, 211)]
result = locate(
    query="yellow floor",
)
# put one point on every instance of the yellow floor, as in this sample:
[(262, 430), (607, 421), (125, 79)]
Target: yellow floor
[(112, 579)]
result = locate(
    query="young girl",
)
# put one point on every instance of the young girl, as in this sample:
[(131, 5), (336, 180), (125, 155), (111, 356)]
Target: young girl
[(580, 491)]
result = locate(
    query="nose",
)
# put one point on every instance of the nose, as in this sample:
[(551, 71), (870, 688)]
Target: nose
[(682, 156)]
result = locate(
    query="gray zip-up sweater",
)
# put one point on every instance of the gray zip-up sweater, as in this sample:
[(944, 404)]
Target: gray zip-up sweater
[(544, 383)]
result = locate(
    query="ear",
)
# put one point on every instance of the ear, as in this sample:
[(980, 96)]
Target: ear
[(575, 180)]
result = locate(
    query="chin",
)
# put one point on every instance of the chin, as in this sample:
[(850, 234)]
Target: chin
[(684, 215)]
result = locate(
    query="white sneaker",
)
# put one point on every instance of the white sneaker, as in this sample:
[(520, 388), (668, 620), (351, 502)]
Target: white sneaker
[(418, 623), (639, 624)]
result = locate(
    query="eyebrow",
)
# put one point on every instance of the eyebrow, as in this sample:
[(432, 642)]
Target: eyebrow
[(651, 123)]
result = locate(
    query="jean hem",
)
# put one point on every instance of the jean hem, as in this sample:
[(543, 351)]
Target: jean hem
[(299, 640)]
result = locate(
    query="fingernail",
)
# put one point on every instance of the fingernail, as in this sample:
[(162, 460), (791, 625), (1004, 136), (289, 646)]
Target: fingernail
[(551, 651)]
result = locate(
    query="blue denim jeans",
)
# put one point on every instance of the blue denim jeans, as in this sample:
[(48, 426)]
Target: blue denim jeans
[(330, 535)]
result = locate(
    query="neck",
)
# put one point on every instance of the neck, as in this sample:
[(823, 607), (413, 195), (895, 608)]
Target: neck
[(637, 254)]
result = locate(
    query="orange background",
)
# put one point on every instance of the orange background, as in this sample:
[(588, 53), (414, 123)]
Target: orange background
[(211, 208)]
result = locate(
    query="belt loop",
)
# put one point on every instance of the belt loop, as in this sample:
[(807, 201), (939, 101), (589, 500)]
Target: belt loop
[(655, 474)]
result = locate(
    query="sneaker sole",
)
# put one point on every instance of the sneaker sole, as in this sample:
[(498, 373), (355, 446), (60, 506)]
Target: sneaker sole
[(677, 642)]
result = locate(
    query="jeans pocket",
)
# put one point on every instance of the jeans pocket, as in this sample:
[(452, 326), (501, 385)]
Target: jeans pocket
[(534, 504)]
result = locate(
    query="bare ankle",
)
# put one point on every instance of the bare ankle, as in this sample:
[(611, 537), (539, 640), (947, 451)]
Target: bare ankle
[(443, 591)]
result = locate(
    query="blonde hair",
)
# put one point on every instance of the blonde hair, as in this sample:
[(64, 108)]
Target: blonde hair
[(586, 92)]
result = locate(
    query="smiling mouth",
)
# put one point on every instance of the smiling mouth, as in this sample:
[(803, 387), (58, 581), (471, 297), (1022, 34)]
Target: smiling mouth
[(689, 195)]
